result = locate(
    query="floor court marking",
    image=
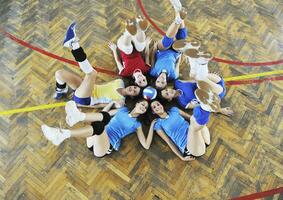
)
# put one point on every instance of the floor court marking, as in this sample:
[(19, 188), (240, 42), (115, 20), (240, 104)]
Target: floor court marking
[(260, 195), (232, 80), (25, 44), (49, 54), (253, 64), (248, 76), (237, 80)]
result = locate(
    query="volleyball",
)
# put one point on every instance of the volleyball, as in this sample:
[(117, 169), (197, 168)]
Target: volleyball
[(149, 93)]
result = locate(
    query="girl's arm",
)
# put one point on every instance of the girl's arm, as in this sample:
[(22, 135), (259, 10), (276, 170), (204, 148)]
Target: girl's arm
[(177, 66), (152, 53), (146, 142), (117, 104), (226, 111), (108, 107), (184, 114), (113, 47), (147, 52), (171, 144)]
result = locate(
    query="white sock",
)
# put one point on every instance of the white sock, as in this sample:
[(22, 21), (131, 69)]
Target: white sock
[(66, 133), (86, 67), (178, 20), (75, 45), (59, 81), (72, 119), (74, 115), (61, 136), (82, 116)]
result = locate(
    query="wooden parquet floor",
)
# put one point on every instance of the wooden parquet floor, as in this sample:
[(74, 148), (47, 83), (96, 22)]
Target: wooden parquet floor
[(246, 154)]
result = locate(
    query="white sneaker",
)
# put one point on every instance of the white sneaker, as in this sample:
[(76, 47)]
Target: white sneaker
[(73, 115), (183, 45), (53, 134), (177, 5)]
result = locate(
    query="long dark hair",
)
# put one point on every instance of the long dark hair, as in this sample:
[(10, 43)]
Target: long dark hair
[(131, 81), (130, 103), (166, 102)]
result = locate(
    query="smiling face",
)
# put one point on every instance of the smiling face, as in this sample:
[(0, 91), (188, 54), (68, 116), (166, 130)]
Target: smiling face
[(161, 81), (157, 107), (141, 107), (140, 79), (132, 90), (168, 93)]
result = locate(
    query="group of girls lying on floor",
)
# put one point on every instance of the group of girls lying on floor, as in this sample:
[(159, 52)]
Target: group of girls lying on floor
[(142, 62)]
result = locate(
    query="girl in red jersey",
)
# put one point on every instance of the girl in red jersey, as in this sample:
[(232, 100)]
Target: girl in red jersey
[(131, 45)]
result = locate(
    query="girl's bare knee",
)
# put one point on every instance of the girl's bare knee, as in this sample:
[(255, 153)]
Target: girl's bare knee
[(93, 74), (59, 73)]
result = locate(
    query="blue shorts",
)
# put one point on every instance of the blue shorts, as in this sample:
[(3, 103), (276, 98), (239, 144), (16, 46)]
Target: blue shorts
[(201, 116), (167, 42), (222, 84), (83, 101)]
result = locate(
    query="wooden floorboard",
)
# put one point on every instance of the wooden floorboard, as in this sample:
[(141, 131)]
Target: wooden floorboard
[(246, 154)]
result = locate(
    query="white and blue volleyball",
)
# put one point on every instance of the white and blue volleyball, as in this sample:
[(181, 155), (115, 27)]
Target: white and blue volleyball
[(149, 93)]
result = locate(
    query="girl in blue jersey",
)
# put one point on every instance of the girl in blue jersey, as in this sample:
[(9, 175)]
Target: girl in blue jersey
[(208, 102), (165, 65), (103, 134), (176, 131), (186, 141), (184, 92)]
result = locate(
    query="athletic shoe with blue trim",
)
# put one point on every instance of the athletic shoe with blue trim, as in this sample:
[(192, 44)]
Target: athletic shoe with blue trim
[(60, 93), (70, 35)]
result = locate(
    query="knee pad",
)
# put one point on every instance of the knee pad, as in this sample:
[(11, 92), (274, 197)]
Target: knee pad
[(79, 54), (98, 128), (106, 117), (181, 34), (167, 42)]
